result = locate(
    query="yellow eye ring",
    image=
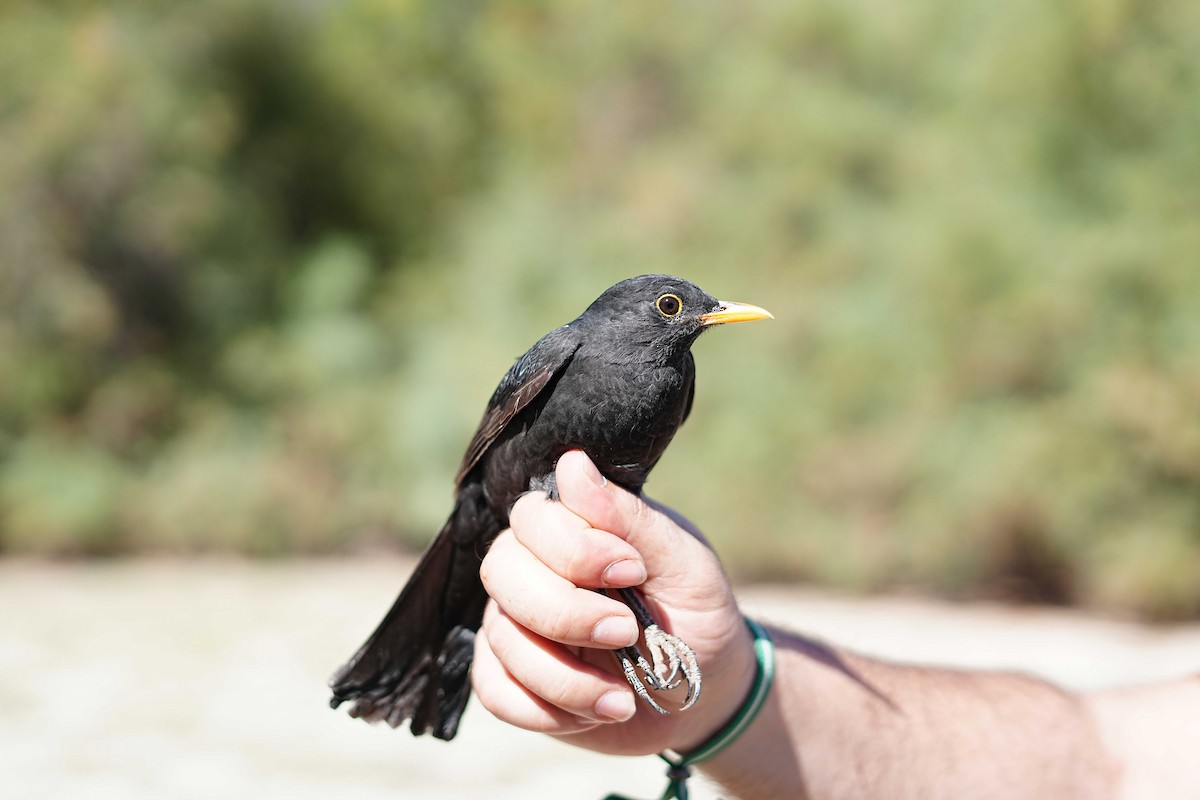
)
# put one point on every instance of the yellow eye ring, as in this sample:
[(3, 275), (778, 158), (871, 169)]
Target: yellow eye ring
[(669, 305)]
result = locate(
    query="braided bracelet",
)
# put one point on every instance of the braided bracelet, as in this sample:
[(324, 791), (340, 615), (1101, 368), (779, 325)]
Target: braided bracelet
[(679, 766)]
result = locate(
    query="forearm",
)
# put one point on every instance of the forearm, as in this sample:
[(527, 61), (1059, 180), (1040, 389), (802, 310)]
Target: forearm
[(1152, 731), (839, 725)]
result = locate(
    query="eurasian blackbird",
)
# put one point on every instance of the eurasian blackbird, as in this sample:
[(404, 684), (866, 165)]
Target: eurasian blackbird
[(616, 383)]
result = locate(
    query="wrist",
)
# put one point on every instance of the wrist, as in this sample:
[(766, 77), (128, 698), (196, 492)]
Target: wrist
[(727, 737), (728, 687)]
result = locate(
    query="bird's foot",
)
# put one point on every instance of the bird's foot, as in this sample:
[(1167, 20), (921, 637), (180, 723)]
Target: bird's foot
[(631, 659), (674, 661), (548, 483), (669, 652), (670, 655)]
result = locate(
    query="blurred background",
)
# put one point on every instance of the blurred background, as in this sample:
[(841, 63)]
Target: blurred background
[(261, 265)]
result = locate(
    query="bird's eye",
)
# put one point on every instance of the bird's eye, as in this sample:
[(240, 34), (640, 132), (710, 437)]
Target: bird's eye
[(669, 305)]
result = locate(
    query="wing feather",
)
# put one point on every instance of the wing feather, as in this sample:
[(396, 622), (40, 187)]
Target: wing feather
[(531, 373)]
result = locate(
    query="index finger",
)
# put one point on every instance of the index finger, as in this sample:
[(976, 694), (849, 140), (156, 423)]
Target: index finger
[(604, 505), (571, 547)]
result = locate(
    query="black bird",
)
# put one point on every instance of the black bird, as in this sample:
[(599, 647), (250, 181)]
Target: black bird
[(617, 383)]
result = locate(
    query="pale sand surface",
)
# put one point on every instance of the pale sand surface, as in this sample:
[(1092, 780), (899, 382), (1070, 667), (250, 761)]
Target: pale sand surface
[(206, 679)]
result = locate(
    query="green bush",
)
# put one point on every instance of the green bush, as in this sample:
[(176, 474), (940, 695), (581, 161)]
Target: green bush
[(260, 267)]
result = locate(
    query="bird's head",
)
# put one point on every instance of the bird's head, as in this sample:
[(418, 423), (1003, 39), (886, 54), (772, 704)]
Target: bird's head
[(656, 316)]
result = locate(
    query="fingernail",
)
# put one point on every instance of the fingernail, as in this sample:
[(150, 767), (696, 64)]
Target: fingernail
[(615, 632), (593, 474), (616, 705), (626, 572)]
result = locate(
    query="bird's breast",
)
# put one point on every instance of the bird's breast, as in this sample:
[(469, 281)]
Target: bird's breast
[(623, 418), (627, 414)]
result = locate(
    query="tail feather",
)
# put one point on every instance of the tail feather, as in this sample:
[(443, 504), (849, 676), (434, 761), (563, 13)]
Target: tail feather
[(416, 665), (442, 708)]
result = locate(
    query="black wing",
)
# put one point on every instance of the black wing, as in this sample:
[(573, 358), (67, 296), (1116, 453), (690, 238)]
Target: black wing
[(530, 374), (415, 665)]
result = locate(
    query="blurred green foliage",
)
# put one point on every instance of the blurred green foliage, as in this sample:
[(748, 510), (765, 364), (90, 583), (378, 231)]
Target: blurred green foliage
[(261, 265)]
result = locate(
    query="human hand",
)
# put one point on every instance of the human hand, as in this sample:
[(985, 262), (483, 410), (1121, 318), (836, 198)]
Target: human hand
[(539, 659)]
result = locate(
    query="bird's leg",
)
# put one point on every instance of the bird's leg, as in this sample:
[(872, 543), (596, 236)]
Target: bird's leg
[(655, 643), (678, 654), (548, 483), (631, 656), (670, 654), (627, 656)]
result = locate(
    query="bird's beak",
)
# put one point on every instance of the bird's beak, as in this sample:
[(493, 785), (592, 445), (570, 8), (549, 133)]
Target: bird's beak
[(734, 312)]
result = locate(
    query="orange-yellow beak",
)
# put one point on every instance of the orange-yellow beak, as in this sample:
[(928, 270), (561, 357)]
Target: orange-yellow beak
[(734, 312)]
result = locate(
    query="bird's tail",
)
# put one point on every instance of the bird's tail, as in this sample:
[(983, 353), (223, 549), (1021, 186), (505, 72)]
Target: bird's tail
[(416, 665)]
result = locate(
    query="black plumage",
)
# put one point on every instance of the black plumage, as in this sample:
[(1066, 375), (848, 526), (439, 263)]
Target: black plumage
[(616, 382)]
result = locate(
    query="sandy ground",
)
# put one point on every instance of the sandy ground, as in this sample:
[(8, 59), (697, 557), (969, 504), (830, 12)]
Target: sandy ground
[(205, 680)]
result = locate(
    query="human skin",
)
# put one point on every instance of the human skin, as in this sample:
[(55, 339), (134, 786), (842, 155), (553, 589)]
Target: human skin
[(836, 724)]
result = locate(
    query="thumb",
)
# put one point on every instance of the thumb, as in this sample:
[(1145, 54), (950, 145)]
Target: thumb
[(686, 588), (664, 540)]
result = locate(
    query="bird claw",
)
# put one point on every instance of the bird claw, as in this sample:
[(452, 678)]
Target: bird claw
[(674, 662), (665, 653), (628, 656), (673, 659)]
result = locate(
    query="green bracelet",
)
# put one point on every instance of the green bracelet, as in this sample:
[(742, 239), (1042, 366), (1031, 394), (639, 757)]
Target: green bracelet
[(678, 765)]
